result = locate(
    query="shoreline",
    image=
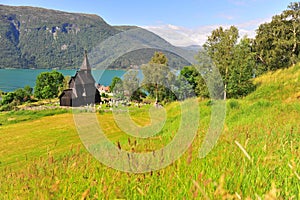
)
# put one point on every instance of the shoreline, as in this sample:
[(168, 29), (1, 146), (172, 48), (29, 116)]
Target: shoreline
[(75, 69)]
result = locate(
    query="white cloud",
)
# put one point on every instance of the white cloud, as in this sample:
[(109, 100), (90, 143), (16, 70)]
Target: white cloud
[(182, 36)]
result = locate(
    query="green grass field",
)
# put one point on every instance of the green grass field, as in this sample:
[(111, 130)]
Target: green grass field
[(256, 157)]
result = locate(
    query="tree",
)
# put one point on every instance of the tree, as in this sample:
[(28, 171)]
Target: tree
[(192, 76), (48, 85), (28, 90), (131, 85), (220, 47), (277, 42), (240, 83), (235, 62), (159, 58), (21, 95), (118, 90), (182, 88), (210, 83), (292, 15), (114, 82), (158, 78)]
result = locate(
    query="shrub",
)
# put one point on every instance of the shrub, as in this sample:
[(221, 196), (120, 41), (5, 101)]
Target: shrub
[(233, 104)]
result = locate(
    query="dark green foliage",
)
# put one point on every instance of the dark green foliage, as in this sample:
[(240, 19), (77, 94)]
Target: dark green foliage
[(194, 79), (233, 104), (8, 98), (104, 95), (182, 89), (277, 42), (48, 85), (20, 95), (12, 99), (138, 95), (240, 76)]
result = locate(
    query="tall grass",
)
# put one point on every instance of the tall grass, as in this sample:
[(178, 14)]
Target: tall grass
[(256, 157)]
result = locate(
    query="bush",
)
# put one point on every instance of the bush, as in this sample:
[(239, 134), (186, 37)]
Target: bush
[(6, 107), (210, 103), (48, 85), (233, 104)]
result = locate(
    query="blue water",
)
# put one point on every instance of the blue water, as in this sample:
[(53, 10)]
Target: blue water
[(12, 79)]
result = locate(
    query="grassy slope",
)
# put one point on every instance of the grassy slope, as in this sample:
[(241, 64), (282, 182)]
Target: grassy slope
[(266, 124)]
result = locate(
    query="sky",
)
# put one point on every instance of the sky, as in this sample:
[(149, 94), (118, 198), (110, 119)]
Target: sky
[(181, 22)]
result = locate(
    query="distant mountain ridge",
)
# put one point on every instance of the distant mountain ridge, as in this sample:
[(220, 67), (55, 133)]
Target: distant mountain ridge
[(33, 37)]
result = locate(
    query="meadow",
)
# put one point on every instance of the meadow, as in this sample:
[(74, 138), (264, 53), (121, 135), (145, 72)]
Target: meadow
[(256, 157)]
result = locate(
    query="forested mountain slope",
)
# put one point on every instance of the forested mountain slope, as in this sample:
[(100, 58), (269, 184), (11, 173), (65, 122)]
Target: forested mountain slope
[(41, 38)]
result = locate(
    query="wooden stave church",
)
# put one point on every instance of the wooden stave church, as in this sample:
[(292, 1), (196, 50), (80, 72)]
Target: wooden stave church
[(82, 88)]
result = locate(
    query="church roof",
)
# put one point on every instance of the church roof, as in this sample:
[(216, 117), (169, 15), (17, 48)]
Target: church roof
[(85, 64)]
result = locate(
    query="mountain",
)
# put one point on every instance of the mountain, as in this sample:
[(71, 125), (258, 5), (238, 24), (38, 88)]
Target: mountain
[(33, 37), (193, 48)]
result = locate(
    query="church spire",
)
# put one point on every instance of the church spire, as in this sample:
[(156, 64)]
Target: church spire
[(85, 64)]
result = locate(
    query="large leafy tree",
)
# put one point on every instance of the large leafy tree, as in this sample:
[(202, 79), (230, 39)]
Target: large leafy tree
[(234, 60), (158, 78), (48, 85), (192, 76), (131, 86), (277, 42), (240, 83), (220, 46), (182, 88)]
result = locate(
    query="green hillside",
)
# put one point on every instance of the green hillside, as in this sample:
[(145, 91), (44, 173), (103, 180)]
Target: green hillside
[(283, 84), (256, 157)]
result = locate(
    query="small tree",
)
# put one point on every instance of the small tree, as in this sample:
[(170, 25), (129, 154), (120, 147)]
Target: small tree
[(28, 90), (48, 85), (114, 82), (116, 87), (8, 98), (193, 77)]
